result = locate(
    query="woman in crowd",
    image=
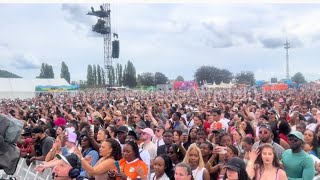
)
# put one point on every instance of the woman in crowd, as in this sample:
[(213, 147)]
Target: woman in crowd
[(177, 136), (87, 150), (247, 144), (163, 169), (317, 132), (219, 158), (310, 138), (264, 164), (194, 159), (192, 137), (175, 154), (183, 172), (102, 135), (60, 130), (206, 151), (245, 125), (131, 165), (110, 151), (284, 130), (112, 131), (237, 138), (235, 170), (198, 121)]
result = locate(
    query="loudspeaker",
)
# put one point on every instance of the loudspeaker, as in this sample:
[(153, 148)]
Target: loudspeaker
[(115, 49)]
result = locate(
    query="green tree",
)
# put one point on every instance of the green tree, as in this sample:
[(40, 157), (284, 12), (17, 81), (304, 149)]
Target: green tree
[(160, 78), (298, 78), (179, 78), (212, 74), (94, 75), (90, 78), (205, 73), (46, 71), (103, 77), (147, 79), (129, 75), (124, 76), (99, 79), (65, 72), (245, 77), (118, 74), (111, 76)]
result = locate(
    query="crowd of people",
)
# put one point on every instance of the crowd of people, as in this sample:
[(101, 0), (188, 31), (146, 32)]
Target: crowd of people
[(234, 134)]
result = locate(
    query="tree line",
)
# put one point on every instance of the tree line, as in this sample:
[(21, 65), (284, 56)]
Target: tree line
[(46, 72), (127, 76)]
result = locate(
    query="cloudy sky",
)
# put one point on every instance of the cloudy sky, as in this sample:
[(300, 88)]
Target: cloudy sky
[(174, 39)]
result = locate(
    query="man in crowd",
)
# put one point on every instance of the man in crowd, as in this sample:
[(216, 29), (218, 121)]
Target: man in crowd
[(42, 141), (147, 144), (67, 168), (298, 165), (265, 136)]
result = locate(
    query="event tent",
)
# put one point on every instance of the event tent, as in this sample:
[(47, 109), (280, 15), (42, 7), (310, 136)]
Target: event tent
[(25, 88)]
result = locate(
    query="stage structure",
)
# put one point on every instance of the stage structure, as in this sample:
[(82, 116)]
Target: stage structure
[(111, 47)]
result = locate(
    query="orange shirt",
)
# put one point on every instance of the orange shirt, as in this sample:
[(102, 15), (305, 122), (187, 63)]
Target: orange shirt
[(129, 169)]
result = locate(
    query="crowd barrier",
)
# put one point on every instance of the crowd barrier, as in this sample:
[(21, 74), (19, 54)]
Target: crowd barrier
[(24, 172)]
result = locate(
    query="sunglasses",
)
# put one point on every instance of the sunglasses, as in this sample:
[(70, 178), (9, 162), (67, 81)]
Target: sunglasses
[(293, 140), (84, 138), (170, 152), (263, 132), (271, 113)]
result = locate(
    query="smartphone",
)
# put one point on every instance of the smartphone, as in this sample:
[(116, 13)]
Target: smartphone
[(92, 128)]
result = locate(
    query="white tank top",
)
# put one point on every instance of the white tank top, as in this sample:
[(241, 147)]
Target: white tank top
[(198, 174)]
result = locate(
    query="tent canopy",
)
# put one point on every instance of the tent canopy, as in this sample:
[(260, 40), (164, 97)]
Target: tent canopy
[(25, 88)]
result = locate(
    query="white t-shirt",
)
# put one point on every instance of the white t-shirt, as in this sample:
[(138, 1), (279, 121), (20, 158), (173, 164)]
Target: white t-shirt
[(163, 177), (145, 156), (198, 174)]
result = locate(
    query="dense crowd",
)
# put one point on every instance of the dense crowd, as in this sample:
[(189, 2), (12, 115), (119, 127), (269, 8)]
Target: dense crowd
[(219, 134)]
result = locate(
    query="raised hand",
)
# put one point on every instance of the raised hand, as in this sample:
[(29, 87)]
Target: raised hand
[(253, 155)]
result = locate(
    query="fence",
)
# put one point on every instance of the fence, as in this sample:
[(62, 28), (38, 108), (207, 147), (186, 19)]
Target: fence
[(24, 172)]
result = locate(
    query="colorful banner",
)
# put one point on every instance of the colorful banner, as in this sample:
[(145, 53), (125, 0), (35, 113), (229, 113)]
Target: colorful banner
[(275, 87), (185, 85), (57, 88)]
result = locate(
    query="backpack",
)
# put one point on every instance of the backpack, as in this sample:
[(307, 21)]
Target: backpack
[(10, 128)]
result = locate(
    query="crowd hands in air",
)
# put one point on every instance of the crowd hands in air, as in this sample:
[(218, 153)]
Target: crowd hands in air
[(195, 134)]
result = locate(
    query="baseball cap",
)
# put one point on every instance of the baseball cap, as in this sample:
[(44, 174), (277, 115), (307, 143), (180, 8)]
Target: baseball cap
[(122, 129), (297, 134), (71, 159), (132, 133), (27, 132), (148, 131), (37, 130), (72, 137), (141, 125), (160, 126), (267, 126), (236, 164)]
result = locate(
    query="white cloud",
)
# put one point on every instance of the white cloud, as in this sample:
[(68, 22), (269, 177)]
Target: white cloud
[(170, 38)]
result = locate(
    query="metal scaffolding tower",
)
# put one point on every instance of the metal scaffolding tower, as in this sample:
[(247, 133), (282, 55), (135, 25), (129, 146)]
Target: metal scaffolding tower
[(103, 26), (287, 46)]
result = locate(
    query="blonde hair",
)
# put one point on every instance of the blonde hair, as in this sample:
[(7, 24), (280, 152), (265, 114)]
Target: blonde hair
[(194, 147)]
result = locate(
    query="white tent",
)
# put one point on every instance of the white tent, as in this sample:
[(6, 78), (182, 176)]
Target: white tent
[(25, 88), (221, 85)]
